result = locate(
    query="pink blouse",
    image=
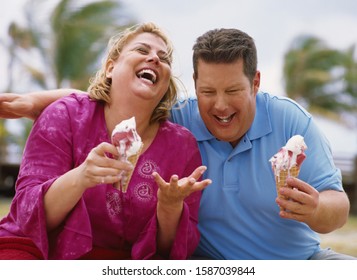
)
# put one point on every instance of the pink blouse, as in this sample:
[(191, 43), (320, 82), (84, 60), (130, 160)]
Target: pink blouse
[(60, 140)]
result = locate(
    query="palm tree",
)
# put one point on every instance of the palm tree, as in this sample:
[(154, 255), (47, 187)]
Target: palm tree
[(350, 77), (314, 74), (67, 45), (18, 38)]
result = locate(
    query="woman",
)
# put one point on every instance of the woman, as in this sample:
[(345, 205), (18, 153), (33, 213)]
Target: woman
[(65, 205)]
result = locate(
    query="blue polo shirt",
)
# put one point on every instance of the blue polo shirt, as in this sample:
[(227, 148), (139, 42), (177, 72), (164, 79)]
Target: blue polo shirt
[(238, 216)]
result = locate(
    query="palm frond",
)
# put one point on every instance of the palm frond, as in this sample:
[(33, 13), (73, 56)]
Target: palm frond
[(316, 73)]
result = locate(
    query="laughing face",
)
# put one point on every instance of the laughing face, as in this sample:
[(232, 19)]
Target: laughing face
[(226, 99), (143, 68)]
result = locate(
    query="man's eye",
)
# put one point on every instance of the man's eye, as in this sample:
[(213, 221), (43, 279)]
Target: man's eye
[(234, 91), (207, 92)]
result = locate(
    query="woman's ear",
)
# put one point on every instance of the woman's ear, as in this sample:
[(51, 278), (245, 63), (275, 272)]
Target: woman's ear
[(109, 68)]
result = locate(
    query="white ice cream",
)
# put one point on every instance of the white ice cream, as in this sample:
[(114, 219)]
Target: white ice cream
[(283, 160), (126, 138)]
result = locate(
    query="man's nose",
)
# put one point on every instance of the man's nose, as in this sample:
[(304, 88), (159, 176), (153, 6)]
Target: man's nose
[(220, 102)]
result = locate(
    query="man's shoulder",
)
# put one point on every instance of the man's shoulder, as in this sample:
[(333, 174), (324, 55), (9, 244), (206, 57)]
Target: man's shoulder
[(186, 104), (185, 112), (278, 103)]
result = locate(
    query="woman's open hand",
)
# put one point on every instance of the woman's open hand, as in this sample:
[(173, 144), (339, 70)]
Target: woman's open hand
[(175, 191)]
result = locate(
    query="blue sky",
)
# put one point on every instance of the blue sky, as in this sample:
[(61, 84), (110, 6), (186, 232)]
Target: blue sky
[(272, 23)]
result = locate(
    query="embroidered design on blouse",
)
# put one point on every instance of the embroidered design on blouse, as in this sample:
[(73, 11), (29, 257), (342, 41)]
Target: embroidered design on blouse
[(147, 168), (114, 203), (143, 192)]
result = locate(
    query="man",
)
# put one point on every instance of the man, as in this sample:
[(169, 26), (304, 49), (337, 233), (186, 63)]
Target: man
[(238, 130)]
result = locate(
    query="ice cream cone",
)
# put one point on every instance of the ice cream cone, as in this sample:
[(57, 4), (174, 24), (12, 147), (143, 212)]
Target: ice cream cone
[(124, 182), (129, 145), (280, 179), (287, 161)]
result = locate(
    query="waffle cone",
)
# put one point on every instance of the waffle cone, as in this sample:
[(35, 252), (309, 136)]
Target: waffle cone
[(124, 182), (281, 179)]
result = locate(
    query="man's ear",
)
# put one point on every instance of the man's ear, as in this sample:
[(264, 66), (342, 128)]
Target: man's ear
[(109, 68), (194, 76), (256, 82)]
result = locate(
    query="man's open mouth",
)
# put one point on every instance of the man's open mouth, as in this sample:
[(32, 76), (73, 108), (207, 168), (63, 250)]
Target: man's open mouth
[(224, 119)]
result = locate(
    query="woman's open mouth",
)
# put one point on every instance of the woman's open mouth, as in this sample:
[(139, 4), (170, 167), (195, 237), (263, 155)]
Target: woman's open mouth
[(148, 75)]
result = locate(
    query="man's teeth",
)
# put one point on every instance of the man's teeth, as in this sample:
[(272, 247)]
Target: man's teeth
[(148, 75), (224, 119)]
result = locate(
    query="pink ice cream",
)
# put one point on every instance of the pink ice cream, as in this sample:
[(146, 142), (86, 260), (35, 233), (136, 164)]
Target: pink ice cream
[(129, 145), (292, 154)]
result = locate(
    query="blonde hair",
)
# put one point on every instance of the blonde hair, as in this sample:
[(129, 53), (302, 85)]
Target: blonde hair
[(100, 85)]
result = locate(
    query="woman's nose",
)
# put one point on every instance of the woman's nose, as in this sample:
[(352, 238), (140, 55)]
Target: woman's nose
[(153, 57)]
